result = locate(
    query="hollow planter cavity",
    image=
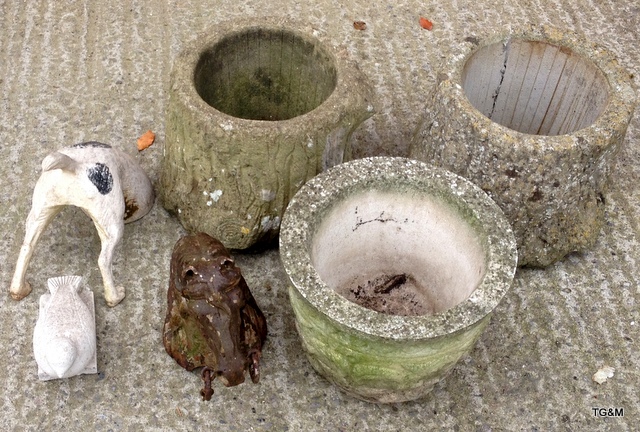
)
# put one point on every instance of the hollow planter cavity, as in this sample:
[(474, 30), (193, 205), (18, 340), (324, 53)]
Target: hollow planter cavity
[(536, 119), (253, 113), (395, 269)]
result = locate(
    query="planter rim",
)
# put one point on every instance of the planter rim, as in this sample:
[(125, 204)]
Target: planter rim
[(319, 195), (617, 113), (185, 64)]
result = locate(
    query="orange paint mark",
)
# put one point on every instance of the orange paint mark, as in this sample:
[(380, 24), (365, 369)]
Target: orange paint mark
[(425, 23), (146, 140)]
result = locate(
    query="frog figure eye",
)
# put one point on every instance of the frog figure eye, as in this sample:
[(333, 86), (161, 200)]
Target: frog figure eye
[(188, 274), (227, 266)]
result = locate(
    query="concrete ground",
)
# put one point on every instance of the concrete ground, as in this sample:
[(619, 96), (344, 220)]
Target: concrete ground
[(89, 70)]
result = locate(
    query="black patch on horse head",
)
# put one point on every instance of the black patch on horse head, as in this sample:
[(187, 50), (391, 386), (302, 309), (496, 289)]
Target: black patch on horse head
[(101, 178), (94, 144)]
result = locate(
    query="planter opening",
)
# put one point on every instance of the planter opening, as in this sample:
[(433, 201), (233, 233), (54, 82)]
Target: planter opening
[(535, 87), (398, 254), (262, 74)]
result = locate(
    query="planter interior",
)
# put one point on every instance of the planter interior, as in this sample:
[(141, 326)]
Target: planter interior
[(398, 254), (265, 74), (396, 267), (535, 87)]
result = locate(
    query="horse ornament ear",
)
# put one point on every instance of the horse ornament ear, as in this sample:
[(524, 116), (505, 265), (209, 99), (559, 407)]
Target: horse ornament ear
[(212, 322)]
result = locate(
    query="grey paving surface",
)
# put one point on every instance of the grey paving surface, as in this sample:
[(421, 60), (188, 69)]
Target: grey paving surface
[(89, 70)]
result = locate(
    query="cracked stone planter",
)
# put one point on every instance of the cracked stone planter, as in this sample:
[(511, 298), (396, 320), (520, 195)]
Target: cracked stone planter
[(536, 119), (395, 269), (254, 112)]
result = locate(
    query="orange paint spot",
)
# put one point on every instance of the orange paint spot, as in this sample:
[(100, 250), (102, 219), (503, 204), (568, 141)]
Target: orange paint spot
[(146, 140), (425, 23)]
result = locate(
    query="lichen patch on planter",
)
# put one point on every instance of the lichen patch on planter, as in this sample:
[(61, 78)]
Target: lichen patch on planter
[(212, 197), (267, 195), (378, 369), (269, 223)]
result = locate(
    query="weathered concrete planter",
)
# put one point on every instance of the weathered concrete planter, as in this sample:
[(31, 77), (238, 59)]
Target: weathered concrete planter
[(253, 113), (396, 267), (535, 119)]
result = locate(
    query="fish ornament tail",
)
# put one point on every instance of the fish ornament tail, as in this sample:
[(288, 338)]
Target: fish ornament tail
[(56, 282)]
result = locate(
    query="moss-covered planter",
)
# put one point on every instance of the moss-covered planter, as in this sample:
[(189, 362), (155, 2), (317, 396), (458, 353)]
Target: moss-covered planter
[(395, 267), (254, 111), (535, 118)]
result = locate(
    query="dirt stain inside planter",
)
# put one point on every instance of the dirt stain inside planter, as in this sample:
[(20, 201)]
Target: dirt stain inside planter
[(391, 294)]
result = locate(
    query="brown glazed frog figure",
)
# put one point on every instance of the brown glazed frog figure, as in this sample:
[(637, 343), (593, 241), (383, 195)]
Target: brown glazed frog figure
[(212, 319)]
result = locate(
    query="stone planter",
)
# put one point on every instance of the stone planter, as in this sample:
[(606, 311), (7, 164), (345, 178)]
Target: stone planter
[(534, 118), (395, 267), (254, 112)]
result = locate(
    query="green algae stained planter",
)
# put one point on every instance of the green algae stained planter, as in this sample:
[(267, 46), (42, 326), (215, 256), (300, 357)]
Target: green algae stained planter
[(254, 112), (535, 118), (395, 269)]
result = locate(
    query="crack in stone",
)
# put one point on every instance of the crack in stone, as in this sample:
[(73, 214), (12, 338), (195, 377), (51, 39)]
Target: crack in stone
[(380, 218), (503, 71)]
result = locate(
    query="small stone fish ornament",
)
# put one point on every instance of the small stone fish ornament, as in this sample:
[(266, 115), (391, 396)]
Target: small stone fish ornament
[(212, 319), (64, 338)]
